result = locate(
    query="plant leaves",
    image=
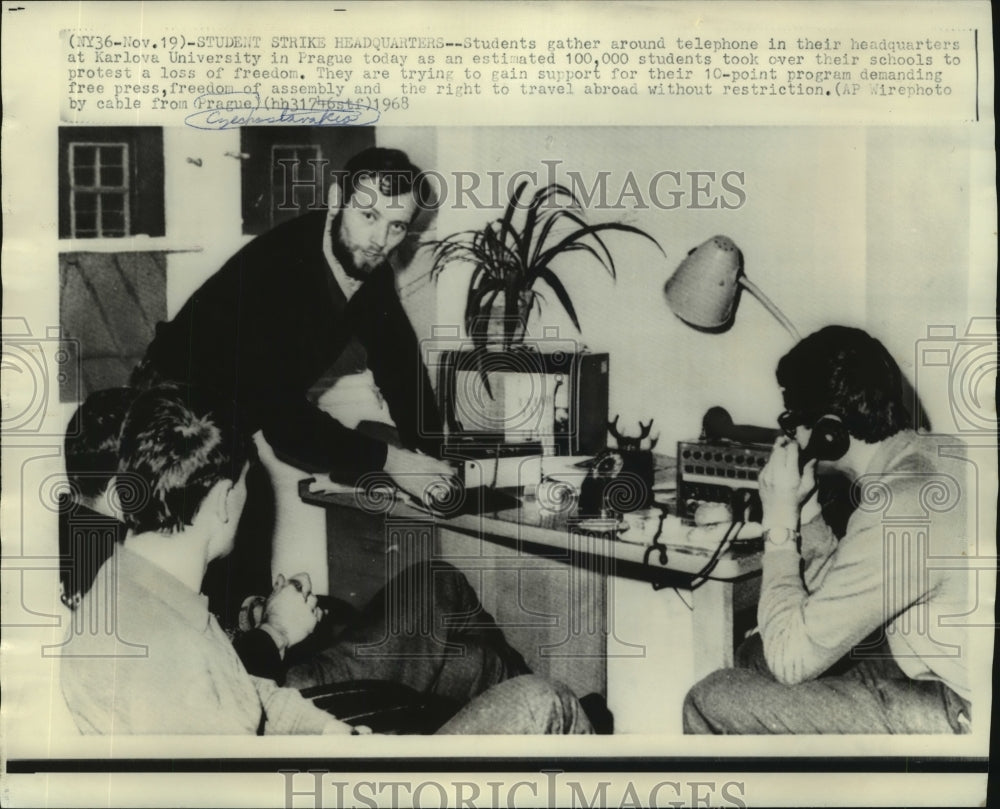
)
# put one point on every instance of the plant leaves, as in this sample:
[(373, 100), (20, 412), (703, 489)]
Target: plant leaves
[(550, 278), (478, 327), (549, 256), (510, 259), (474, 303), (581, 225), (507, 229), (591, 231), (534, 215)]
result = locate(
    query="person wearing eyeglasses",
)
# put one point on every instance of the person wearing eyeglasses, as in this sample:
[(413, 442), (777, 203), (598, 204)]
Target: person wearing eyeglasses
[(861, 633)]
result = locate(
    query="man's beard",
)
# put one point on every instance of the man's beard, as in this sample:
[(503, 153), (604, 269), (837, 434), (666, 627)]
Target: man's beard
[(345, 257)]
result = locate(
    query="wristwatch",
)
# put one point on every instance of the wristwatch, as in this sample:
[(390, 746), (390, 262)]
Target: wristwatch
[(779, 537)]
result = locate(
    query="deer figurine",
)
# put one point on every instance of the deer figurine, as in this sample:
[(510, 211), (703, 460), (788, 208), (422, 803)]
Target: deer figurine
[(637, 461), (620, 479), (628, 443)]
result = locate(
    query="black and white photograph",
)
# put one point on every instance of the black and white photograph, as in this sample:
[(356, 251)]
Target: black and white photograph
[(330, 414)]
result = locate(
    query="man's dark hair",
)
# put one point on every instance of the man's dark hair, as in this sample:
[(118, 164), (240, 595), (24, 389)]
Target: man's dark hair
[(847, 373), (176, 444), (393, 172), (91, 444)]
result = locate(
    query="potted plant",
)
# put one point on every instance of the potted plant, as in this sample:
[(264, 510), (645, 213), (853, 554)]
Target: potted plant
[(510, 255)]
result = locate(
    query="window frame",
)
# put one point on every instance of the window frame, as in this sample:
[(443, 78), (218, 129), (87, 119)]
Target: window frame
[(317, 181), (145, 212), (98, 189)]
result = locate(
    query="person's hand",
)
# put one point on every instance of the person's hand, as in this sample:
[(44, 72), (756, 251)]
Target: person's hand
[(290, 613), (783, 489), (416, 473)]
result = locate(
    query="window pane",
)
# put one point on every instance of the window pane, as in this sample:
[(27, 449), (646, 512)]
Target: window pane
[(112, 176), (85, 202), (84, 155), (113, 223), (291, 176), (86, 223), (83, 175), (113, 202), (112, 155)]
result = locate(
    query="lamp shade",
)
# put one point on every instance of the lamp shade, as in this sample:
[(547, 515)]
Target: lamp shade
[(702, 291)]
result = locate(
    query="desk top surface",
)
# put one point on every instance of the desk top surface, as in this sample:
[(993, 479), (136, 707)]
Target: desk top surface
[(648, 541)]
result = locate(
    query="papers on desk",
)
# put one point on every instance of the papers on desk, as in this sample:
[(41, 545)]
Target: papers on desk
[(382, 494), (682, 535)]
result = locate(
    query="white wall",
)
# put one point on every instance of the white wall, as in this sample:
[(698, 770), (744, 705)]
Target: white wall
[(202, 206), (921, 266)]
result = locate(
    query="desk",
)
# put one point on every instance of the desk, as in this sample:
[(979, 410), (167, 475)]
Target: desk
[(576, 599)]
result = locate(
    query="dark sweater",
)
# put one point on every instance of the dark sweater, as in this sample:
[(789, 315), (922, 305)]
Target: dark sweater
[(271, 321)]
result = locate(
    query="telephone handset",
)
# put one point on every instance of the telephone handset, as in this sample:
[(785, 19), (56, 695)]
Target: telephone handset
[(828, 442)]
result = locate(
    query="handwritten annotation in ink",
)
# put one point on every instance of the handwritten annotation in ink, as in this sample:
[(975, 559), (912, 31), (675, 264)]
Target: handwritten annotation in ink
[(231, 110)]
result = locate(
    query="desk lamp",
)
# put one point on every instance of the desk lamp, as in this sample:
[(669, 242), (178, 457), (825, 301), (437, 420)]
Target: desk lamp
[(703, 291)]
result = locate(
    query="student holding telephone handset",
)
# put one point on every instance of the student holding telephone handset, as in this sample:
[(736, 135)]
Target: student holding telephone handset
[(850, 636)]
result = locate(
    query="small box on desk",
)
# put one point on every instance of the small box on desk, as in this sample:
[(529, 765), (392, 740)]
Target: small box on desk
[(507, 466)]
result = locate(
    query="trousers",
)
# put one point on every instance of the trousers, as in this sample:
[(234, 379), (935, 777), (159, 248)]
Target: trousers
[(425, 629), (523, 705), (866, 695)]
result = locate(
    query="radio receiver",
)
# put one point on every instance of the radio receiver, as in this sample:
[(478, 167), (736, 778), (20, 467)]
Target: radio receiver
[(722, 466)]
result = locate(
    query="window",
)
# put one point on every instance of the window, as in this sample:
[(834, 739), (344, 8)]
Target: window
[(99, 192), (110, 182), (286, 170), (296, 180)]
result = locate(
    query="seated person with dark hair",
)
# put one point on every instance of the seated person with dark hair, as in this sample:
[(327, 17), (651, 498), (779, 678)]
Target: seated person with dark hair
[(852, 637), (89, 525), (189, 456), (425, 631), (90, 520)]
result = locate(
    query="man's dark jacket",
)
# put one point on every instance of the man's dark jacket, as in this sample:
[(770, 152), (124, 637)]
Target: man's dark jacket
[(271, 321)]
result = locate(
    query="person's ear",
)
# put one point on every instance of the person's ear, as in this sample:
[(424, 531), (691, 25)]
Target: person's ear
[(214, 505), (111, 499)]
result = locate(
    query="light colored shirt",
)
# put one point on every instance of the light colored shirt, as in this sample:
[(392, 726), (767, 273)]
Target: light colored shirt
[(899, 567), (155, 660)]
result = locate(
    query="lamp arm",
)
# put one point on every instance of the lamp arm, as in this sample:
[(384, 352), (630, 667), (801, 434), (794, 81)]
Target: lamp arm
[(768, 304)]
